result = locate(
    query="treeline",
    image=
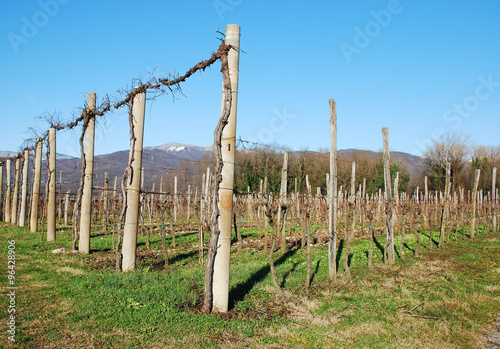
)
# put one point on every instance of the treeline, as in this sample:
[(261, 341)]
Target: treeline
[(254, 166), (464, 159)]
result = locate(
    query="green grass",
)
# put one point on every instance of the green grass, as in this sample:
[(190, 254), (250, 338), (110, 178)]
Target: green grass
[(447, 298)]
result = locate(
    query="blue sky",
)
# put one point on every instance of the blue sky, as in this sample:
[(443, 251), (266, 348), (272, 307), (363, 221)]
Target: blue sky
[(418, 67)]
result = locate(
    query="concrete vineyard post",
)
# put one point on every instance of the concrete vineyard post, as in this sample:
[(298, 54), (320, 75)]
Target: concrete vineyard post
[(222, 257), (332, 198), (133, 185), (36, 187), (85, 217), (24, 190)]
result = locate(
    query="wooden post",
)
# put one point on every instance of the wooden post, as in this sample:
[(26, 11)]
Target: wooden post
[(353, 196), (222, 256), (105, 199), (207, 200), (175, 199), (15, 197), (142, 177), (51, 206), (282, 206), (59, 209), (1, 189), (24, 190), (86, 208), (332, 198), (133, 185), (36, 187), (444, 211), (388, 195), (66, 208), (7, 194), (202, 220), (350, 235), (493, 199), (474, 201)]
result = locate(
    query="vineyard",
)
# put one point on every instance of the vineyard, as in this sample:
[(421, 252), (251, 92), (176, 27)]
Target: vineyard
[(308, 256)]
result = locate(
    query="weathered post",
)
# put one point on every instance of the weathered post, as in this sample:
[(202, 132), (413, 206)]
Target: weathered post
[(105, 204), (133, 184), (282, 206), (51, 207), (24, 189), (1, 188), (332, 198), (444, 211), (207, 200), (493, 201), (388, 194), (15, 197), (36, 187), (474, 201), (7, 194), (175, 200), (86, 208), (59, 208), (351, 204), (188, 216), (66, 208), (222, 257)]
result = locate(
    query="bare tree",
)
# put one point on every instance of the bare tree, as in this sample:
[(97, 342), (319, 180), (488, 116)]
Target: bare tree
[(451, 147)]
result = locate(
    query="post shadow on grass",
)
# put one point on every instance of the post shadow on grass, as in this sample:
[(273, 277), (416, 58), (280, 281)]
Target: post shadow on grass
[(428, 236), (339, 253), (379, 246), (408, 247), (349, 259), (95, 250), (315, 271), (239, 292), (174, 259), (283, 282)]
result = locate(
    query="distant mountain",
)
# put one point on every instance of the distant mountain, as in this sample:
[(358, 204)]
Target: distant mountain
[(178, 147), (8, 154), (156, 161), (172, 158)]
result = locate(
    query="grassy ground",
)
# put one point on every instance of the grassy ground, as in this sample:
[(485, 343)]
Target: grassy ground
[(446, 298)]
